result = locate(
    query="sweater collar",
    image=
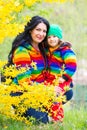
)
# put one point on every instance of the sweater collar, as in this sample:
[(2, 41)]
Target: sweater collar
[(28, 46)]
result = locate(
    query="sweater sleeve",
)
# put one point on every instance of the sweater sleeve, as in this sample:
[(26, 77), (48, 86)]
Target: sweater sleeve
[(22, 58), (70, 63), (23, 77)]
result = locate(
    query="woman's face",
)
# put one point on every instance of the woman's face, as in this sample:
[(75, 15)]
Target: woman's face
[(52, 41), (38, 34)]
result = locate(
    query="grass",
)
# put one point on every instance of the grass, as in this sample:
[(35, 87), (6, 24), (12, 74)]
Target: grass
[(75, 119)]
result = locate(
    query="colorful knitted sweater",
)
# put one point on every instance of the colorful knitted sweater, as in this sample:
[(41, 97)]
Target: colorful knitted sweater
[(62, 58), (26, 55)]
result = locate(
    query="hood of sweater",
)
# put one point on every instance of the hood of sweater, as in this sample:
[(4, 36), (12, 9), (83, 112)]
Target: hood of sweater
[(65, 44), (60, 47)]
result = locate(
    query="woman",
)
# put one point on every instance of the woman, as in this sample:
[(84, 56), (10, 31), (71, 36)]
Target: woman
[(28, 48)]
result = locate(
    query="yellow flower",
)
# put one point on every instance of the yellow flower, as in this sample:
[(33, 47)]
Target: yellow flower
[(34, 65), (34, 95)]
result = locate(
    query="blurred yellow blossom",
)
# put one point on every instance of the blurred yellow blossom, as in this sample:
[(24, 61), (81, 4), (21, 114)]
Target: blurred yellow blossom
[(9, 10), (33, 64)]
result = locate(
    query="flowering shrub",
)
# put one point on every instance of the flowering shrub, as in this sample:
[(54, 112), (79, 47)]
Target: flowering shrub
[(9, 23), (10, 10), (36, 95)]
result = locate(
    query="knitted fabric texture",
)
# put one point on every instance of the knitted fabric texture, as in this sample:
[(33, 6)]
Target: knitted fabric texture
[(26, 55), (55, 30), (59, 57)]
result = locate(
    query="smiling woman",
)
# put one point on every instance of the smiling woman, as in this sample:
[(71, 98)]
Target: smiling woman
[(34, 36), (28, 49)]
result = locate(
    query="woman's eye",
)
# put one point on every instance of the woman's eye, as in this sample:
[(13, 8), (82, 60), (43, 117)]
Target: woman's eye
[(38, 29), (45, 31)]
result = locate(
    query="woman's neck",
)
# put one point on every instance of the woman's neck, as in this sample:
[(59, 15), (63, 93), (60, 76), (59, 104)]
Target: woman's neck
[(35, 45)]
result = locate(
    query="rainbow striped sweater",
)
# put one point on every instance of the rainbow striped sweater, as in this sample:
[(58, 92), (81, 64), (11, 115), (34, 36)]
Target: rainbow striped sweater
[(62, 59), (26, 55)]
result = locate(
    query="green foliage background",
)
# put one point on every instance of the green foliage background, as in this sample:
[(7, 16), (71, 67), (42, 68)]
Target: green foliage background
[(72, 17)]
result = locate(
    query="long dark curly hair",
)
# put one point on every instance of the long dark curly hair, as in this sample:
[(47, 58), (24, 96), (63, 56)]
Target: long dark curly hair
[(26, 36)]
